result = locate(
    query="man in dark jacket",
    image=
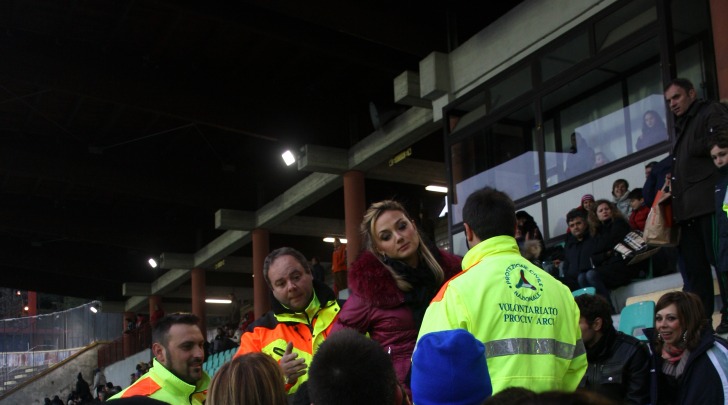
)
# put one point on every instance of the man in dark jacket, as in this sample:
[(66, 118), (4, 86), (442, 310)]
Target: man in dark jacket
[(577, 248), (692, 183), (619, 364)]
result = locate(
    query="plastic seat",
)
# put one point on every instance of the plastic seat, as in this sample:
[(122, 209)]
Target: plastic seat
[(228, 355), (637, 316), (585, 290)]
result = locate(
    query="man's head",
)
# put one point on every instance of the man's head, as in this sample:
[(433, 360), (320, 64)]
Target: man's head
[(178, 346), (289, 276), (635, 198), (679, 95), (349, 368), (648, 168), (595, 318), (576, 219), (488, 213)]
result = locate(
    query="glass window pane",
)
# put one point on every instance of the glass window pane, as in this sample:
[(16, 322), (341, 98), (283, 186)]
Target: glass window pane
[(513, 86), (501, 156), (647, 108), (565, 56), (623, 22)]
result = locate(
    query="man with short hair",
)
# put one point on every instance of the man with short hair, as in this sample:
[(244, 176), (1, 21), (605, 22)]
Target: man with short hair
[(619, 364), (302, 315), (577, 249), (176, 376), (692, 184), (527, 320), (336, 373)]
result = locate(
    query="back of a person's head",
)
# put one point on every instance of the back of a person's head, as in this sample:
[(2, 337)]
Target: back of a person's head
[(349, 368), (253, 378), (489, 212), (449, 367)]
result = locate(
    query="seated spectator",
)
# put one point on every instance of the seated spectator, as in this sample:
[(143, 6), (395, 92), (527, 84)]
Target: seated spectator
[(577, 249), (638, 217), (449, 367), (607, 227), (253, 378), (587, 202), (600, 159), (526, 228), (690, 361), (619, 364), (653, 130), (349, 368), (620, 192)]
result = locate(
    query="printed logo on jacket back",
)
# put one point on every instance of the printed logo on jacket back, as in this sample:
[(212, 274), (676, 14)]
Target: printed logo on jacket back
[(524, 282)]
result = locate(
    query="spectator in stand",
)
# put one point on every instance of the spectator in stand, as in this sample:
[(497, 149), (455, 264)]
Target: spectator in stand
[(527, 230), (99, 381), (620, 192), (577, 249), (157, 314), (253, 378), (690, 362), (317, 270), (339, 266), (638, 217), (719, 153), (354, 370), (587, 202), (393, 282), (693, 184), (619, 364), (608, 227), (82, 389), (233, 311), (648, 168), (56, 400), (653, 130)]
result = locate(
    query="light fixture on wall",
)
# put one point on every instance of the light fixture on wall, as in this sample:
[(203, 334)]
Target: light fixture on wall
[(94, 307), (436, 189), (330, 239), (152, 263), (217, 301), (288, 157)]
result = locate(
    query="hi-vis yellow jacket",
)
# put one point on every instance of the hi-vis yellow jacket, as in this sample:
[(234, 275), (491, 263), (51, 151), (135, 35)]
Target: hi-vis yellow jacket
[(160, 384), (307, 330), (528, 320)]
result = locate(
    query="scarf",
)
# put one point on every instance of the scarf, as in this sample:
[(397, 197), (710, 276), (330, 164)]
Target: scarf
[(672, 354), (423, 285)]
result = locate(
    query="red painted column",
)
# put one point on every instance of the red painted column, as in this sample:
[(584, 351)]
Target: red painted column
[(127, 338), (718, 16), (261, 295), (32, 303), (354, 207), (198, 298)]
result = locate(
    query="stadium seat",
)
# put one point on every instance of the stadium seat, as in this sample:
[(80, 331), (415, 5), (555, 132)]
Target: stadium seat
[(635, 317), (585, 290)]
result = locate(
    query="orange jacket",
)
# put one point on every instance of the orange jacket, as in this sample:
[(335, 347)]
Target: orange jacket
[(338, 260)]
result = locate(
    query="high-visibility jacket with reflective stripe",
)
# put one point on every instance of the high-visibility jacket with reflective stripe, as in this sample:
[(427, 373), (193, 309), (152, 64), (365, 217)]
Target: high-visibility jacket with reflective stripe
[(307, 330), (528, 320), (159, 383)]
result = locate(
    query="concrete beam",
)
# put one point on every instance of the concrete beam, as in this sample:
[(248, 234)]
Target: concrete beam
[(176, 261), (407, 90), (137, 304), (234, 219), (323, 159), (132, 289), (434, 76), (221, 247), (170, 281), (234, 264), (300, 196), (411, 171)]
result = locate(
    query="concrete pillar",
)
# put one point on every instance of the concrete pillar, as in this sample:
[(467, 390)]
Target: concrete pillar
[(127, 338), (32, 303), (718, 16), (261, 292), (354, 207), (198, 298)]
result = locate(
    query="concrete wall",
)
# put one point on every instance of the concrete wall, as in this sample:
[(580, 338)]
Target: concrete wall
[(60, 380)]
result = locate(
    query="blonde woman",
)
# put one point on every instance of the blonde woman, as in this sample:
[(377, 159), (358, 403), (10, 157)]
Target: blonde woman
[(393, 281), (251, 379)]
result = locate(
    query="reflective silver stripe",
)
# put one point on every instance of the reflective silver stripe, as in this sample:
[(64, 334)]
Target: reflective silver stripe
[(507, 347)]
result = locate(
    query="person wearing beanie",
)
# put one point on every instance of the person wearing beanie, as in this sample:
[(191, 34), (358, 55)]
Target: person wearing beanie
[(449, 367), (587, 202)]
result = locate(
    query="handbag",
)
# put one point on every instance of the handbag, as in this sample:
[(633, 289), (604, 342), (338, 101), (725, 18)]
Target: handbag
[(634, 248), (658, 228)]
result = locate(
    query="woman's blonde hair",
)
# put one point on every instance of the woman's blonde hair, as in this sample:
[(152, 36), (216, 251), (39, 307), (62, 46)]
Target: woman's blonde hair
[(251, 379), (367, 231)]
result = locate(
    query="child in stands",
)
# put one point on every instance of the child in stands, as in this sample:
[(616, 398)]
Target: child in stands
[(638, 217), (718, 145)]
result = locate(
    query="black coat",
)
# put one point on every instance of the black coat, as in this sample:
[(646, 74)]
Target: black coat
[(577, 254), (700, 382), (619, 368), (721, 219), (693, 172)]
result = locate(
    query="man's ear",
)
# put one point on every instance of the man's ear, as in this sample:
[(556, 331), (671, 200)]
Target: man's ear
[(692, 94), (469, 234), (159, 353), (597, 324)]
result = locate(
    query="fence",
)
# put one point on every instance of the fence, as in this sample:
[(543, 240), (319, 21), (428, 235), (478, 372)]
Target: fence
[(31, 344)]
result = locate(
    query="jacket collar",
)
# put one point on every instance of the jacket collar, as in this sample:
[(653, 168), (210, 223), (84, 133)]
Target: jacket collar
[(176, 387), (496, 245), (370, 279)]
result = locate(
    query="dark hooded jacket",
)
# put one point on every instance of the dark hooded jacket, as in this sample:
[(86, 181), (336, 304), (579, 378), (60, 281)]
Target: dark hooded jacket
[(378, 307)]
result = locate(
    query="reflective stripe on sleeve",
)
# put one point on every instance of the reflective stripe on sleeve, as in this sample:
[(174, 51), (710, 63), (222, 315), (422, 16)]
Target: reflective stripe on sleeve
[(507, 347)]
